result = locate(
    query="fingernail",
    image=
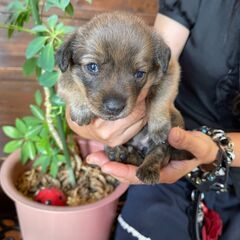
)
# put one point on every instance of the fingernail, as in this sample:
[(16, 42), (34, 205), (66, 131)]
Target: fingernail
[(91, 160), (106, 170)]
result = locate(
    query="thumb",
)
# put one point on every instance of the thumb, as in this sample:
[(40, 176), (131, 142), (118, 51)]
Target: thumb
[(176, 170), (189, 141)]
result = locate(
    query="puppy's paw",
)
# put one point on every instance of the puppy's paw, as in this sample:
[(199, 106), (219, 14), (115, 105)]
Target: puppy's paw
[(118, 154), (82, 116), (148, 175), (159, 132)]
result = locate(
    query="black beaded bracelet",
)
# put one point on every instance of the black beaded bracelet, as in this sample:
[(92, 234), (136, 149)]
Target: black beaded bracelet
[(217, 177)]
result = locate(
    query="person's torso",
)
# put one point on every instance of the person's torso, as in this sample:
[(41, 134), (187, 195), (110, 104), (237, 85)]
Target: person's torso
[(210, 68)]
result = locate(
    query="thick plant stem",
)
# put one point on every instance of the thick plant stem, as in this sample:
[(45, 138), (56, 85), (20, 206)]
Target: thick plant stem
[(71, 176), (59, 136), (51, 127)]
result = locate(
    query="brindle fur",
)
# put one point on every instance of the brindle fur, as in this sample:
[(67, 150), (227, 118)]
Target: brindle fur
[(121, 44)]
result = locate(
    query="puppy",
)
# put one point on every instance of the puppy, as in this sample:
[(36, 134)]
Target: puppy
[(105, 64)]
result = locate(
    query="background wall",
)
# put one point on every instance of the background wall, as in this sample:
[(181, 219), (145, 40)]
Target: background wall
[(16, 90)]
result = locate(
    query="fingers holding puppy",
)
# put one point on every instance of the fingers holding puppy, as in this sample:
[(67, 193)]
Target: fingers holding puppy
[(112, 133), (127, 173), (200, 145)]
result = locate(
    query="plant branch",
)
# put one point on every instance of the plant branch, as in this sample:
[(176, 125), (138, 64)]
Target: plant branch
[(18, 28)]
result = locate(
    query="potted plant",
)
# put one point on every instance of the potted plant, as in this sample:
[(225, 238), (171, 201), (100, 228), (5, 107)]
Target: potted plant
[(82, 199)]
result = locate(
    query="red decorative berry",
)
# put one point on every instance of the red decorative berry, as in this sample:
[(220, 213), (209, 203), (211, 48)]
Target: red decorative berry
[(51, 196)]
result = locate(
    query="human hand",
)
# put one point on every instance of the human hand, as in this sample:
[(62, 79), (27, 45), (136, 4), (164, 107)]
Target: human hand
[(113, 133), (199, 144)]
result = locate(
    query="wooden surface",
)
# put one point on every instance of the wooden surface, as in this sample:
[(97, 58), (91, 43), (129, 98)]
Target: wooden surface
[(16, 90)]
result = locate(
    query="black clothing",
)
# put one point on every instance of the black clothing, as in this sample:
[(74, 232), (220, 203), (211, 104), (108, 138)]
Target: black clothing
[(209, 61)]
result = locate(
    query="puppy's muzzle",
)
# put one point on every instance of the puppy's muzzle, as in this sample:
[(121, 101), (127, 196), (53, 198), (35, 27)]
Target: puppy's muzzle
[(113, 105)]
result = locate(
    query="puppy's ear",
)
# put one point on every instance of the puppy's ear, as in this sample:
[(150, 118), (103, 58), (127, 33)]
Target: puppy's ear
[(162, 52), (64, 54)]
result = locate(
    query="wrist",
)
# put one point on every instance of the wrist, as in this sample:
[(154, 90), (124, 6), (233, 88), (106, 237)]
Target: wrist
[(216, 175), (209, 162)]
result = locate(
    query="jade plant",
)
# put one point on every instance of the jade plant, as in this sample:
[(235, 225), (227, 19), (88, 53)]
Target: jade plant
[(44, 136)]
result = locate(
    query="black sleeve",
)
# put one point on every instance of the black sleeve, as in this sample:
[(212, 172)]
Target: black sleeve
[(182, 11)]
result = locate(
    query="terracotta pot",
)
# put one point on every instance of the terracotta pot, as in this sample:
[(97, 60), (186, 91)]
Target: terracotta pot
[(38, 221)]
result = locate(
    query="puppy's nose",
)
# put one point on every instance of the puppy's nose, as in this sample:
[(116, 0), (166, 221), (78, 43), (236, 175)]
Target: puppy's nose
[(114, 105)]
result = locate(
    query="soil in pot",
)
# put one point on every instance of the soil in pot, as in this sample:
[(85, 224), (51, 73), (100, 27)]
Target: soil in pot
[(92, 184)]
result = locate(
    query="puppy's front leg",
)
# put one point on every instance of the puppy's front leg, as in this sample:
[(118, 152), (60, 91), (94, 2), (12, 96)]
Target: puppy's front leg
[(149, 170), (161, 102), (73, 95), (80, 114)]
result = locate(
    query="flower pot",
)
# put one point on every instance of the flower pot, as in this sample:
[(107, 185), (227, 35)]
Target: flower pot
[(37, 221)]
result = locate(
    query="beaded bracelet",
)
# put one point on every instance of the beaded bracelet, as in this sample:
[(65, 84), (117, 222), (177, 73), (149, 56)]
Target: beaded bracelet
[(217, 177)]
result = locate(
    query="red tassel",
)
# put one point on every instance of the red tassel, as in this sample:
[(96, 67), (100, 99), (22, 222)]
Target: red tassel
[(212, 224)]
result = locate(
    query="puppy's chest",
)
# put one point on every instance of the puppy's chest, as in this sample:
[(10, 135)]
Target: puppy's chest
[(142, 142)]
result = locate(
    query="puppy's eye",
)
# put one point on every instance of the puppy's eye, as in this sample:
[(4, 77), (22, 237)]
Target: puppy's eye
[(93, 68), (139, 74)]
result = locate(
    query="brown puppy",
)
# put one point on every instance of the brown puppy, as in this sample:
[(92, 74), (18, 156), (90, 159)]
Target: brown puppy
[(105, 64)]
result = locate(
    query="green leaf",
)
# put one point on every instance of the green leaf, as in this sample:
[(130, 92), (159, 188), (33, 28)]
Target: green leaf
[(11, 132), (12, 146), (46, 59), (48, 5), (69, 9), (52, 21), (12, 21), (24, 154), (21, 126), (34, 131), (29, 66), (21, 18), (15, 6), (68, 29), (31, 121), (34, 46), (89, 1), (31, 149), (10, 32), (57, 101), (40, 28), (61, 28), (37, 112), (54, 168), (38, 71), (44, 132), (43, 146), (42, 161), (62, 4), (48, 79), (61, 159), (38, 98)]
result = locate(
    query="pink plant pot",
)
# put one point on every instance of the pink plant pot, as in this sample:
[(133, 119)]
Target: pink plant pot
[(40, 222)]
